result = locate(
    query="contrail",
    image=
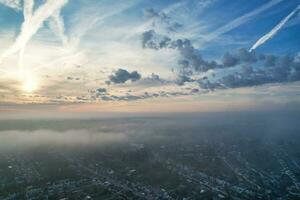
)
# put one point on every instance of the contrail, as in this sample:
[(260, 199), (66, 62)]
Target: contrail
[(31, 24), (57, 26), (275, 30), (28, 8), (240, 20), (88, 22), (27, 12), (71, 43)]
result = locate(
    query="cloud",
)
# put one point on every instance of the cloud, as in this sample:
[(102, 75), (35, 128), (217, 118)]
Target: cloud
[(101, 91), (190, 56), (269, 69), (182, 79), (150, 12), (122, 75), (265, 69), (14, 4), (229, 60), (242, 57), (154, 21), (152, 40), (275, 30), (73, 78), (162, 20), (153, 79), (146, 95), (247, 68), (298, 57)]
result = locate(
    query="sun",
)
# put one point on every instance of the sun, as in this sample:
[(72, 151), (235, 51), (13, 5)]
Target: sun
[(30, 85)]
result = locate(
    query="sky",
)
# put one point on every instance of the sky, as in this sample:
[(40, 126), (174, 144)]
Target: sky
[(148, 56)]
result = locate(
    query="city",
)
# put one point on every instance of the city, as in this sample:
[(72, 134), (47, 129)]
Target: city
[(204, 159)]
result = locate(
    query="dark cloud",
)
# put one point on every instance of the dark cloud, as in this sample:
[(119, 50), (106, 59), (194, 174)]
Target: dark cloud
[(162, 19), (82, 99), (153, 79), (146, 95), (254, 69), (152, 40), (101, 90), (195, 90), (122, 75), (70, 78), (272, 69), (191, 56), (248, 57), (147, 38), (270, 60), (150, 12), (191, 60), (243, 56), (230, 60), (183, 79)]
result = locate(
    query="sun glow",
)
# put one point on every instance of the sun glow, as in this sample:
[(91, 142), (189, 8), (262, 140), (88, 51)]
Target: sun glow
[(29, 84)]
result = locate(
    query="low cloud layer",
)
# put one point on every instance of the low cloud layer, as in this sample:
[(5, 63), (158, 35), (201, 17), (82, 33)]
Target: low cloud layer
[(17, 139)]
